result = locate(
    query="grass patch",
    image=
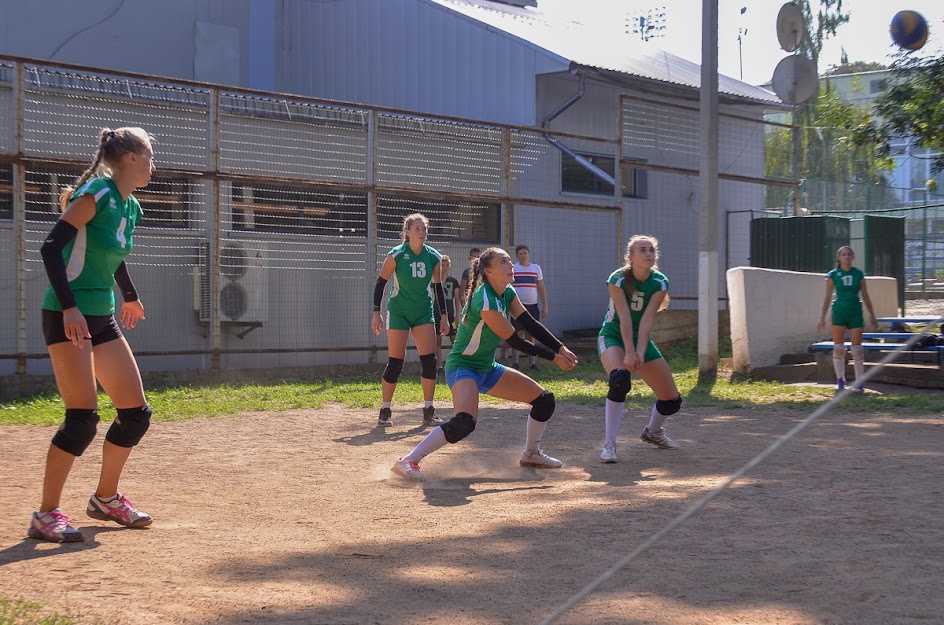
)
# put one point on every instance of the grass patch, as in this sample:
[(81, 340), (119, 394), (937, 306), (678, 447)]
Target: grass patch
[(22, 611), (585, 385)]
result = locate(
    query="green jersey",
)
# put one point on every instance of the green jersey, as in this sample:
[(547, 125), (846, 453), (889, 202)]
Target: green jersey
[(99, 247), (847, 283), (411, 280), (638, 299), (475, 344)]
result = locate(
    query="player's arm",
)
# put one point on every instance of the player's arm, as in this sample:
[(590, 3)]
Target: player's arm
[(542, 293), (648, 320), (386, 270), (555, 350), (821, 325), (440, 299), (618, 295)]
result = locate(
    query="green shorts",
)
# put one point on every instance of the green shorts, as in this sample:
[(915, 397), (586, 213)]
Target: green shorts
[(606, 341), (397, 321), (847, 314)]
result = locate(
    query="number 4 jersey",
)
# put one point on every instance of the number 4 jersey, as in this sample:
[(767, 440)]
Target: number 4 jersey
[(99, 247), (411, 280), (637, 300)]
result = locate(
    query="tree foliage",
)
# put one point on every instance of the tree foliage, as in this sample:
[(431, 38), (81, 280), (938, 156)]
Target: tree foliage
[(912, 105)]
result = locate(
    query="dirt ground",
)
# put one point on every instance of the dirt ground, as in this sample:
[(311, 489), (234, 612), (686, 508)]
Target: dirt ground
[(293, 518)]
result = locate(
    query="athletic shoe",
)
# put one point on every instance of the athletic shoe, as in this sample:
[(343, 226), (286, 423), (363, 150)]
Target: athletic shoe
[(118, 510), (430, 418), (659, 439), (54, 526), (840, 384), (860, 388), (539, 459), (407, 469), (608, 455), (385, 418), (534, 366)]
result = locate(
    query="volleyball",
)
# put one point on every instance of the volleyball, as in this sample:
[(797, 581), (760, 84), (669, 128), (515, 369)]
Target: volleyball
[(909, 30)]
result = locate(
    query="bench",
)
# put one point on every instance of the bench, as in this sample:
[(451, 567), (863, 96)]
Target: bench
[(938, 350)]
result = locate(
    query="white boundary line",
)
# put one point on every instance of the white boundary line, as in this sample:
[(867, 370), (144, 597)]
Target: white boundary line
[(701, 503)]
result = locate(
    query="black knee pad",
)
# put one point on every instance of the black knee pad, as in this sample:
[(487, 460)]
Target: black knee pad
[(670, 407), (77, 431), (458, 427), (392, 370), (428, 366), (621, 382), (129, 426), (542, 408)]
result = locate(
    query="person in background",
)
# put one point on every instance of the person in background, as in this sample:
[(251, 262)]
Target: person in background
[(464, 280), (847, 315), (529, 284), (413, 265), (451, 289)]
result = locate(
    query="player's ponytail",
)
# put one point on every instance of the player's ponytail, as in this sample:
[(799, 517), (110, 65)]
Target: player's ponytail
[(112, 145), (475, 276)]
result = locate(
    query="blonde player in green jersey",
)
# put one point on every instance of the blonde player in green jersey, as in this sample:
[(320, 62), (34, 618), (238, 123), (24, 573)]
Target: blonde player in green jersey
[(413, 265), (847, 315), (637, 292), (84, 258), (471, 368)]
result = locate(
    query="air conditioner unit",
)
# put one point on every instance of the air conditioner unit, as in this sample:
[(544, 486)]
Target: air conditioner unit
[(243, 288)]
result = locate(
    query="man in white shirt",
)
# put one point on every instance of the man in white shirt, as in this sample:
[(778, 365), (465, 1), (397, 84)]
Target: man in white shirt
[(529, 284)]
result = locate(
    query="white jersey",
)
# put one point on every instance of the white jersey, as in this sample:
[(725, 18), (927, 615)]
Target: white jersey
[(526, 282)]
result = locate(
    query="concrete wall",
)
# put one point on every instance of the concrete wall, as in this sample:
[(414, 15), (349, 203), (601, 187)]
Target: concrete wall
[(774, 312)]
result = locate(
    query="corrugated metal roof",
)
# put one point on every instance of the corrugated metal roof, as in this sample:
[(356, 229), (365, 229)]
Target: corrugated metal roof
[(590, 47)]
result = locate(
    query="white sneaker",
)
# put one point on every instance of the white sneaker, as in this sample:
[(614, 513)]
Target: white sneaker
[(608, 455), (119, 510), (539, 459), (660, 439), (407, 469)]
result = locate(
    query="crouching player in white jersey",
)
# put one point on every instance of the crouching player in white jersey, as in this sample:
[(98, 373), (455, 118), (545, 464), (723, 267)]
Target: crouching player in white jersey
[(471, 368)]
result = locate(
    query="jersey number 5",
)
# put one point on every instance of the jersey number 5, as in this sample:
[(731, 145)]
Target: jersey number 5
[(636, 302), (418, 269)]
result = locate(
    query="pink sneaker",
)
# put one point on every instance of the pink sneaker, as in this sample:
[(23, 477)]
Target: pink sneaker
[(54, 526), (118, 510), (407, 469)]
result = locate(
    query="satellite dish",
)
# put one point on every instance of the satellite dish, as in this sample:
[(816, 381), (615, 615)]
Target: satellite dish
[(791, 27), (795, 79)]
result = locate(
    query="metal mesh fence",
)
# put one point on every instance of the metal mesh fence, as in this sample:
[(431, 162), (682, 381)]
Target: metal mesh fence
[(268, 217)]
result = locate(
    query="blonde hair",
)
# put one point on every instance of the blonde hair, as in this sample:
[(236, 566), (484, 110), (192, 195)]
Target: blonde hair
[(409, 220), (477, 274), (112, 146), (628, 267)]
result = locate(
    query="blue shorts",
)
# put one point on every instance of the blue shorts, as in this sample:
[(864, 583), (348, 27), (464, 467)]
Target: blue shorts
[(485, 380)]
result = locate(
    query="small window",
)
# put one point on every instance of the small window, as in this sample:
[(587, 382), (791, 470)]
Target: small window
[(448, 221), (575, 178), (165, 202), (877, 86), (6, 192), (299, 209)]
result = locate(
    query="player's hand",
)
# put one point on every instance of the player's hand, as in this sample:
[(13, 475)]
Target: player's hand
[(75, 326), (631, 361), (131, 313), (376, 322), (444, 326), (565, 359), (544, 313), (820, 326)]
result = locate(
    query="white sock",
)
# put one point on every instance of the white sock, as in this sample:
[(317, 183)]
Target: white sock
[(433, 441), (839, 365), (428, 404), (657, 420), (516, 358), (535, 431), (385, 404), (614, 415), (533, 361), (859, 367)]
